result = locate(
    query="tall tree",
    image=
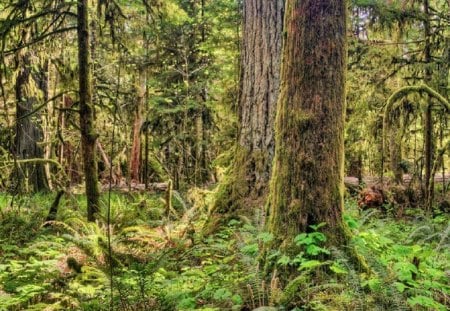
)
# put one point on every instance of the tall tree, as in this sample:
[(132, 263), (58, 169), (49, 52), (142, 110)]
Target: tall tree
[(31, 176), (259, 89), (428, 117), (29, 134), (88, 135), (307, 179)]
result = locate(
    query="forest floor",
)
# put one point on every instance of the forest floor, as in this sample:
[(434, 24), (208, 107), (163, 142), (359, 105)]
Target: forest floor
[(162, 264)]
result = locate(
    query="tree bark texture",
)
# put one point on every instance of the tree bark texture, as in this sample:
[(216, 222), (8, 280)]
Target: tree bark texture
[(307, 179), (428, 118), (395, 154), (29, 132), (137, 124), (259, 89), (88, 135)]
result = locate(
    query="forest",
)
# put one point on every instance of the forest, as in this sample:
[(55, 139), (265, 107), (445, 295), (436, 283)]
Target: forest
[(225, 155)]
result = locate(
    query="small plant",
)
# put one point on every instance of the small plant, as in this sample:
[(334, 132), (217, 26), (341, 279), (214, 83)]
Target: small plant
[(311, 251)]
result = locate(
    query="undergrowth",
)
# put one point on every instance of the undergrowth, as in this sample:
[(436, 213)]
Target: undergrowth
[(166, 264)]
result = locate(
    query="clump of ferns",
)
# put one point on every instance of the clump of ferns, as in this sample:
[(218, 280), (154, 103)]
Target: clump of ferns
[(89, 237), (381, 284), (319, 288), (137, 209), (135, 283), (352, 279), (258, 292), (254, 289), (139, 240), (430, 233)]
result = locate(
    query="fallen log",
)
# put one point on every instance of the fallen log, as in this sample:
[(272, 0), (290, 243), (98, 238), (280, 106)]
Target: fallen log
[(122, 187)]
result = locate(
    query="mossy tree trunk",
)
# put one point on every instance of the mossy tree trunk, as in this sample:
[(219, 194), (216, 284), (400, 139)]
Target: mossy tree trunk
[(395, 152), (88, 135), (201, 166), (259, 89), (31, 177), (307, 179), (428, 118)]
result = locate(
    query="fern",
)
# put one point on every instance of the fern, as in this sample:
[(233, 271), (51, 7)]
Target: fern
[(352, 278)]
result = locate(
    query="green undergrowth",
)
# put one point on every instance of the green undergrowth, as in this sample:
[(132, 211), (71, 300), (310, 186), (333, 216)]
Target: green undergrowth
[(167, 264)]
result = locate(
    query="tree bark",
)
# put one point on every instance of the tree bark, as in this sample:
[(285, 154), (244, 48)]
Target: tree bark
[(31, 177), (395, 152), (307, 179), (429, 146), (259, 89), (201, 167), (88, 135), (138, 110)]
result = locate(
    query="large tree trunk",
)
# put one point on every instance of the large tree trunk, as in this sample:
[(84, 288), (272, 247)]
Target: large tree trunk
[(260, 79), (201, 169), (31, 176), (307, 179), (88, 135)]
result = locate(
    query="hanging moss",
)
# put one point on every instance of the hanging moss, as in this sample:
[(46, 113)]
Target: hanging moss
[(405, 91), (390, 116)]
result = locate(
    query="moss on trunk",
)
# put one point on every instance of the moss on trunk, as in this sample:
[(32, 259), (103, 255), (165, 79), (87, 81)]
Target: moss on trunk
[(88, 135), (247, 184), (307, 179)]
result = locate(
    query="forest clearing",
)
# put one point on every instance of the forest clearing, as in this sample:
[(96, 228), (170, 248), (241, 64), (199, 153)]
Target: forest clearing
[(256, 155)]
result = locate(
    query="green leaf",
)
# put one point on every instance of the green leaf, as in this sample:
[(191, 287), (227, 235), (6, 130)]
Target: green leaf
[(405, 270), (316, 250), (233, 222), (265, 237), (400, 286), (338, 269), (187, 303), (317, 227), (401, 250), (318, 236), (222, 294), (284, 260), (373, 283), (251, 249), (351, 222), (237, 300), (426, 302), (303, 239), (310, 264)]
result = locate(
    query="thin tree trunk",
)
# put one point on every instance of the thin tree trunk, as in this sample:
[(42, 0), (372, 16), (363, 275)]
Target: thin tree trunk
[(199, 153), (307, 179), (138, 109), (395, 150), (429, 148), (146, 158), (88, 135)]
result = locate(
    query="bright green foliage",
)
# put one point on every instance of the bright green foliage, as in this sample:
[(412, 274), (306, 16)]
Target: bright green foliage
[(167, 263), (159, 270), (411, 259)]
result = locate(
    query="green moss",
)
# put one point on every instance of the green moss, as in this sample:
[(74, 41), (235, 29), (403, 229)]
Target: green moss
[(391, 107)]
